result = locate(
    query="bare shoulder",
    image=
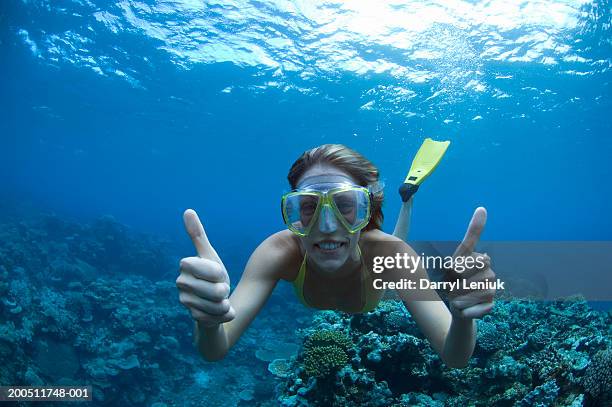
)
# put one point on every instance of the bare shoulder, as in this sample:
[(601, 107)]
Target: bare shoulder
[(377, 235), (395, 244), (280, 255)]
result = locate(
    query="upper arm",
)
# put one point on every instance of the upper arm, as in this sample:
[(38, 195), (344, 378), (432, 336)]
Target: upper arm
[(262, 272)]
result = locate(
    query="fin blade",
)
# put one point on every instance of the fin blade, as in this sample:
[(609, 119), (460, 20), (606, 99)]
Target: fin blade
[(426, 160)]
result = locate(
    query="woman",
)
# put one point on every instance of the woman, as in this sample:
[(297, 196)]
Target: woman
[(333, 216)]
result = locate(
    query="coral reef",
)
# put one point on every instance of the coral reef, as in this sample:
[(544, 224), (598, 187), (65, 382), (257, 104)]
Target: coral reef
[(528, 354), (280, 368), (598, 378), (89, 308), (325, 352), (541, 396), (75, 252)]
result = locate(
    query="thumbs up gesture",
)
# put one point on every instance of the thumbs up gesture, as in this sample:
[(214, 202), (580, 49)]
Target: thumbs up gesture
[(203, 282), (472, 303)]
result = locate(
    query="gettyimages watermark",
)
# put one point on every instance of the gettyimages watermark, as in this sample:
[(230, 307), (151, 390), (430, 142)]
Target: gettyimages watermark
[(536, 270), (462, 266), (410, 262)]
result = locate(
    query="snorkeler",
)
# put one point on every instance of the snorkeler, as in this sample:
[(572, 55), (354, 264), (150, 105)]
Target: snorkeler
[(333, 215)]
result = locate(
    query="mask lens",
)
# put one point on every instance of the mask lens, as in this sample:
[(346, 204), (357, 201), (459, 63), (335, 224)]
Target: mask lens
[(354, 207), (299, 210)]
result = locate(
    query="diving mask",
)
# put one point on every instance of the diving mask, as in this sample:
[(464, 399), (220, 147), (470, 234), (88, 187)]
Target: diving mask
[(350, 204)]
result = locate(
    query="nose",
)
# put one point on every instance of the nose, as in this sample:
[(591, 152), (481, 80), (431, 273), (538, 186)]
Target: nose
[(327, 220)]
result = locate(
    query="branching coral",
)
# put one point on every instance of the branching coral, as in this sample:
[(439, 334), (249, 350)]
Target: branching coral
[(598, 378), (328, 338), (325, 352)]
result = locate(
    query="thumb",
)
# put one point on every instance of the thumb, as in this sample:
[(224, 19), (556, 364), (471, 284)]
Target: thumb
[(472, 236), (198, 236)]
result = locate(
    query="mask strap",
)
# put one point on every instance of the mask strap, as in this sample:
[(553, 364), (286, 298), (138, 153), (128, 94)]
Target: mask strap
[(376, 187), (355, 253)]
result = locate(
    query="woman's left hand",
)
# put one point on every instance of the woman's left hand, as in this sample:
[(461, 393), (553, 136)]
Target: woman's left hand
[(472, 303)]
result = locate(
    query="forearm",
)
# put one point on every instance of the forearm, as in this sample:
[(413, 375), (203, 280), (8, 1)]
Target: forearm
[(402, 227), (212, 342), (459, 343)]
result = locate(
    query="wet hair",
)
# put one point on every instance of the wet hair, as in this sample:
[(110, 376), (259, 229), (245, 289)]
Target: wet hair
[(349, 161)]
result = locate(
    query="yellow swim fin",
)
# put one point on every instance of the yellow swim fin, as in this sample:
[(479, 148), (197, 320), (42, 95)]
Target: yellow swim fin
[(425, 162)]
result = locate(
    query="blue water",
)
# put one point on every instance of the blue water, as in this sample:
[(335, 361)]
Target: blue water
[(144, 109), (141, 110)]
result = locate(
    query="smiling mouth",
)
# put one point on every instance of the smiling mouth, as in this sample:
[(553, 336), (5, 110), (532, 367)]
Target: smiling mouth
[(329, 245)]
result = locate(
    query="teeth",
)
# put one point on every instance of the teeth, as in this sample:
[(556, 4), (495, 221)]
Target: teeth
[(329, 246)]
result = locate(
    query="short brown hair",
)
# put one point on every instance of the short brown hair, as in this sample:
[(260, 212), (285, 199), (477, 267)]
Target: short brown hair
[(349, 161)]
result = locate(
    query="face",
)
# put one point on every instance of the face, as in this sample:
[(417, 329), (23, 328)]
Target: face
[(329, 245)]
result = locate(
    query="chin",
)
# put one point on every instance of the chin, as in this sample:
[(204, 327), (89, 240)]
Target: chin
[(329, 264)]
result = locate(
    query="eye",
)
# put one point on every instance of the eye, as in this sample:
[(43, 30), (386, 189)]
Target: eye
[(308, 209), (345, 205), (308, 206)]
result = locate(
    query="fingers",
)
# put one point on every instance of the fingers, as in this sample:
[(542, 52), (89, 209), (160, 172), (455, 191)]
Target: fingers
[(473, 298), (204, 289), (472, 265), (477, 302), (204, 269), (206, 300), (214, 308), (472, 235), (196, 232), (482, 275), (474, 276), (212, 320), (476, 311), (203, 282)]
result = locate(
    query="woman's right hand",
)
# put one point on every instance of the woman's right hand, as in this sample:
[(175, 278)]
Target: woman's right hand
[(203, 283)]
